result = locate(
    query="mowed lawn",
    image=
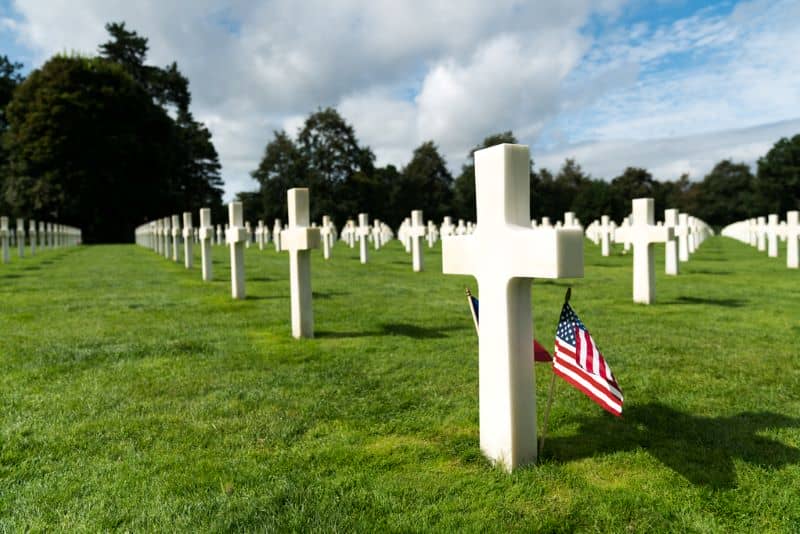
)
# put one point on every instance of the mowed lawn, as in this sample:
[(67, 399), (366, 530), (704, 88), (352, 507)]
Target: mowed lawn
[(134, 396)]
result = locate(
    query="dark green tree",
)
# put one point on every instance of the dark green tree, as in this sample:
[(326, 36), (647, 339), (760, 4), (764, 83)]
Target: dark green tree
[(10, 78), (282, 167), (88, 147), (726, 194), (464, 186), (634, 182), (778, 177), (425, 183)]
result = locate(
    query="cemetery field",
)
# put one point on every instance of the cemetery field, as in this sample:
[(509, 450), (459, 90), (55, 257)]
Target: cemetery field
[(134, 396)]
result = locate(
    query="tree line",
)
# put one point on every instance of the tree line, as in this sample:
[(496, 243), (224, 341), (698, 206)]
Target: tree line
[(107, 142), (326, 156)]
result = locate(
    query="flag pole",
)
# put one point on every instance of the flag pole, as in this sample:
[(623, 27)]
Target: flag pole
[(552, 388)]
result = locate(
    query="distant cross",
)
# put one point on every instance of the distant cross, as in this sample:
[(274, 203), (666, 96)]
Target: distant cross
[(188, 236), (206, 235), (21, 237), (363, 234), (4, 237), (792, 237), (235, 236), (165, 235), (260, 237), (432, 234), (276, 235), (605, 230), (772, 236), (569, 219), (32, 236), (42, 243), (376, 234), (176, 233), (416, 233), (683, 237), (326, 232), (299, 239), (671, 264), (249, 231), (503, 255), (643, 234)]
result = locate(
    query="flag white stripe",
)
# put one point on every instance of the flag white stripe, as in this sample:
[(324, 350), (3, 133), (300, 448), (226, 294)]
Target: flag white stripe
[(570, 362), (611, 401)]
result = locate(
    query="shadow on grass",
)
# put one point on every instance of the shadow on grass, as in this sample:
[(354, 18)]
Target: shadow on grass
[(324, 295), (701, 449), (393, 329), (11, 276), (266, 297), (708, 271), (725, 303)]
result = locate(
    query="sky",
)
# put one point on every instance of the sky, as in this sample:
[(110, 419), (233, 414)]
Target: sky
[(671, 86)]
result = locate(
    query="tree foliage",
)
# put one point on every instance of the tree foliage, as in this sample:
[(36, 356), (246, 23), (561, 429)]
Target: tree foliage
[(106, 143)]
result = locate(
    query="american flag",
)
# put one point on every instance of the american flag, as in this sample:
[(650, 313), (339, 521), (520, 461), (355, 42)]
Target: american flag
[(579, 362), (540, 353)]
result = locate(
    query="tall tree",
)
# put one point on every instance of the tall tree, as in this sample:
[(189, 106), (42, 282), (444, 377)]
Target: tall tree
[(425, 183), (726, 194), (634, 182), (282, 167), (88, 147), (778, 178), (464, 186), (10, 78)]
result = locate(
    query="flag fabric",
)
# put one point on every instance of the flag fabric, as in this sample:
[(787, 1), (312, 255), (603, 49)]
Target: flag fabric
[(579, 362), (540, 353)]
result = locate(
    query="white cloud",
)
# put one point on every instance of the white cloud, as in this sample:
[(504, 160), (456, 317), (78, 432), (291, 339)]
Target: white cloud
[(406, 72)]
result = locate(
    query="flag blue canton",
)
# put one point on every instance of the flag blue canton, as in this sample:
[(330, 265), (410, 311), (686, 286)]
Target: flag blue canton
[(567, 323)]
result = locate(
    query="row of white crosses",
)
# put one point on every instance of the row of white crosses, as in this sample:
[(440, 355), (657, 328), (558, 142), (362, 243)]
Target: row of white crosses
[(764, 233), (40, 234), (165, 235)]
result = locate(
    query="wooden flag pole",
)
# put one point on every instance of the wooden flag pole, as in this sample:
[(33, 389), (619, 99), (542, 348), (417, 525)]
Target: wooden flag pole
[(550, 393)]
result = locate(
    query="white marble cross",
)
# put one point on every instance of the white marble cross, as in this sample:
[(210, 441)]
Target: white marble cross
[(605, 229), (206, 235), (643, 234), (416, 233), (176, 233), (503, 255), (447, 228), (376, 234), (32, 235), (42, 243), (326, 233), (683, 237), (276, 235), (671, 263), (188, 234), (249, 231), (569, 219), (792, 237), (166, 226), (432, 234), (299, 239), (761, 232), (236, 235), (363, 233), (260, 234), (21, 238), (219, 234), (772, 236), (4, 237)]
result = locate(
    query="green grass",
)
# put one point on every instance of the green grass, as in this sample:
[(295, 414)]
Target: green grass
[(133, 396)]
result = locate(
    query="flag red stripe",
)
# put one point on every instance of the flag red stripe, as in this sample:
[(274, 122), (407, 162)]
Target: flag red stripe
[(567, 357), (602, 401), (601, 385)]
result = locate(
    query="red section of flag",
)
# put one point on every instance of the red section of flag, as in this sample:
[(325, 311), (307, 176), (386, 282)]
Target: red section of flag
[(579, 362), (540, 353)]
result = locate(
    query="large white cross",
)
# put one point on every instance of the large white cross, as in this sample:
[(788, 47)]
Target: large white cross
[(772, 236), (236, 235), (606, 230), (761, 229), (671, 263), (416, 233), (792, 237), (503, 255), (299, 239), (188, 235), (363, 234), (206, 235), (643, 234)]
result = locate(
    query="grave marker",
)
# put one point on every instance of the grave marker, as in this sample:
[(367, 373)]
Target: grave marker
[(503, 255), (206, 235), (363, 233), (792, 237), (417, 234), (176, 232), (235, 237), (299, 239), (188, 234), (671, 263), (772, 236), (643, 234), (4, 237), (21, 237)]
